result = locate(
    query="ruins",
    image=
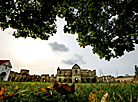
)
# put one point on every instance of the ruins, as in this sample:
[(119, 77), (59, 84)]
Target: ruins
[(23, 76), (76, 74), (107, 78)]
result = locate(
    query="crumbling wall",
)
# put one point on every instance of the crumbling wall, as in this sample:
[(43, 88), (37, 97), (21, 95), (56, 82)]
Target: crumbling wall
[(76, 75), (45, 78)]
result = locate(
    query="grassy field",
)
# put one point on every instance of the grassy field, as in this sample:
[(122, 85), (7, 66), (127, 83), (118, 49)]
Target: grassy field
[(84, 92)]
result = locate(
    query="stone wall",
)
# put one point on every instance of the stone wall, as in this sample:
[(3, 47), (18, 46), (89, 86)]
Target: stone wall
[(76, 74)]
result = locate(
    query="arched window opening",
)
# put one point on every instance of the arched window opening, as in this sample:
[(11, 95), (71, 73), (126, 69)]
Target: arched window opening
[(59, 79), (75, 71), (3, 73), (93, 80), (65, 80), (76, 80), (82, 80), (70, 80), (87, 79), (65, 73)]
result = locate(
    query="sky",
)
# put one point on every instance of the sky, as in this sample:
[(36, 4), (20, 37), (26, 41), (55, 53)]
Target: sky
[(61, 50)]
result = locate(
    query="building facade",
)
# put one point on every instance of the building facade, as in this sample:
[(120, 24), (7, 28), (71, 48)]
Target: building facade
[(76, 74), (5, 68)]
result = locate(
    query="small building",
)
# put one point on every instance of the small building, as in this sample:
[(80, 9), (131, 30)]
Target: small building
[(5, 68), (127, 79)]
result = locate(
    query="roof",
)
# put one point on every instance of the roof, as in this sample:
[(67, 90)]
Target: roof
[(3, 62), (75, 67)]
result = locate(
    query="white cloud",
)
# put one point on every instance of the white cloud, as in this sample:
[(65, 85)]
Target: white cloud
[(56, 47), (75, 59)]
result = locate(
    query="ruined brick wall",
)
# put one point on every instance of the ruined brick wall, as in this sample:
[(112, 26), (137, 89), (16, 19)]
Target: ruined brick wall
[(64, 75), (24, 71), (76, 74), (45, 78), (88, 75), (22, 76), (12, 74), (52, 78)]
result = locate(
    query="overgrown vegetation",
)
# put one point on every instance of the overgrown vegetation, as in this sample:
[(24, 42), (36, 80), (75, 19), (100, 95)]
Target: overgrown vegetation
[(43, 92)]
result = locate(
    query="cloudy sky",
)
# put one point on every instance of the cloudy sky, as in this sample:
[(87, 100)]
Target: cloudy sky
[(61, 50)]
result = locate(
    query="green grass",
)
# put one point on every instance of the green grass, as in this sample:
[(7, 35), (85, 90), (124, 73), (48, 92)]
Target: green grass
[(118, 92)]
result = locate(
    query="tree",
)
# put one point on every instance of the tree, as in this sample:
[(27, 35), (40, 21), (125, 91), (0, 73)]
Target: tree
[(126, 75), (136, 70), (110, 27), (30, 17)]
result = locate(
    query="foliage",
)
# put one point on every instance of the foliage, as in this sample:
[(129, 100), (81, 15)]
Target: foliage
[(136, 70), (127, 75), (43, 92), (110, 27), (30, 18)]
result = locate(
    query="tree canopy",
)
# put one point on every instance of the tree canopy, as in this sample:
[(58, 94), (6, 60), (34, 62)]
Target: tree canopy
[(110, 27), (136, 70)]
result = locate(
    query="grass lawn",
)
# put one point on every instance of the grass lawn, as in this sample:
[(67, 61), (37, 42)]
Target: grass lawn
[(84, 92)]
